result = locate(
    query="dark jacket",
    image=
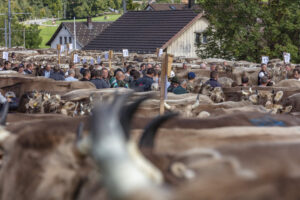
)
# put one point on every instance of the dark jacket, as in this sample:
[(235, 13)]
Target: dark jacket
[(259, 78), (84, 79), (57, 76), (180, 90), (145, 83), (27, 71), (100, 83), (213, 83)]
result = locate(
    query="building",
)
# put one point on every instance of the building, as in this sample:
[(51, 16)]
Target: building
[(85, 32), (165, 6), (175, 31)]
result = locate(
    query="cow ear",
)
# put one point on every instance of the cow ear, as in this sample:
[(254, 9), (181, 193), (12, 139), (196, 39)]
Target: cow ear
[(148, 136), (128, 112), (3, 113)]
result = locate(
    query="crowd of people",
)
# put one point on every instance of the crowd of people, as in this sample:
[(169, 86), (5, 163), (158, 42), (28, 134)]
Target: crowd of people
[(142, 78)]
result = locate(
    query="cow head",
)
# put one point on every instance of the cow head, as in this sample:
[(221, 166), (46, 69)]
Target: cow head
[(125, 170)]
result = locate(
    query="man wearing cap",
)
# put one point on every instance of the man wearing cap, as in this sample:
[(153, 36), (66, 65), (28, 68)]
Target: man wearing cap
[(190, 82), (174, 84), (181, 89)]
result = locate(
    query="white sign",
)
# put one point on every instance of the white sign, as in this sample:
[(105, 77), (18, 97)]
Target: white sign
[(5, 55), (125, 53), (106, 56), (287, 58), (75, 59), (78, 59), (70, 47), (265, 59), (98, 59), (62, 49), (160, 53), (84, 61), (92, 61)]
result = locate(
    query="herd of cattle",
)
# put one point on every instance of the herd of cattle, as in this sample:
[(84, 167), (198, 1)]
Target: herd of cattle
[(71, 141)]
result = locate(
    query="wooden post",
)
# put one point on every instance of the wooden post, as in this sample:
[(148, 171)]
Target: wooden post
[(58, 50), (165, 72), (68, 48), (110, 56)]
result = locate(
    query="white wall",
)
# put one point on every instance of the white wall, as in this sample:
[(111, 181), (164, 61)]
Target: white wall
[(63, 33), (185, 44)]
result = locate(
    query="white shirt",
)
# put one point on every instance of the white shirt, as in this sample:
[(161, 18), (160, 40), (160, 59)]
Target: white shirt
[(261, 74), (47, 74), (2, 99), (71, 79)]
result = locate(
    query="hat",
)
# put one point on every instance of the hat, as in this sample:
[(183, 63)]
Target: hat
[(10, 94), (175, 80), (191, 75)]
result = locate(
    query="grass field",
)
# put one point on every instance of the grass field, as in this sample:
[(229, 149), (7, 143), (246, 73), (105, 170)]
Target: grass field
[(48, 31)]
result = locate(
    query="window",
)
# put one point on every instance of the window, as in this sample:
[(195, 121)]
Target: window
[(70, 40), (200, 38), (66, 40), (60, 40)]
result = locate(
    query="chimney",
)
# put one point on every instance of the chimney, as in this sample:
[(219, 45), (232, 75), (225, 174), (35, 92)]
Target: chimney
[(191, 3), (89, 22)]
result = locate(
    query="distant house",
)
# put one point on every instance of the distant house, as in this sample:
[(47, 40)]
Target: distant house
[(85, 32), (165, 6), (175, 31)]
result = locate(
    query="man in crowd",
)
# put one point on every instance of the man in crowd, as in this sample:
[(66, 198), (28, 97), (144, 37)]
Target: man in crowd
[(21, 69), (120, 80), (181, 89), (264, 81), (263, 72), (191, 80), (85, 67), (71, 76), (213, 81), (143, 69), (147, 80), (98, 81), (245, 81), (46, 71), (105, 75), (296, 75), (174, 84), (29, 69), (56, 74), (86, 75), (7, 66)]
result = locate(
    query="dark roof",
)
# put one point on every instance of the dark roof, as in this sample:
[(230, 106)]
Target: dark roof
[(166, 6), (143, 31), (83, 34)]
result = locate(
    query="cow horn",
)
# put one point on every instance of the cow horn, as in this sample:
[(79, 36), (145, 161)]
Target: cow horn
[(3, 113), (148, 136), (127, 114)]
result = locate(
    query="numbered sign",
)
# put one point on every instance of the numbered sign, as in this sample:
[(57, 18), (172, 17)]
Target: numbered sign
[(75, 58), (5, 55), (70, 47), (160, 53), (62, 49), (265, 59), (92, 61), (125, 53), (98, 59), (106, 55), (287, 58)]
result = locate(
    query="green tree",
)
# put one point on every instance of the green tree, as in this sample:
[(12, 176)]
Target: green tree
[(33, 38), (246, 30)]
